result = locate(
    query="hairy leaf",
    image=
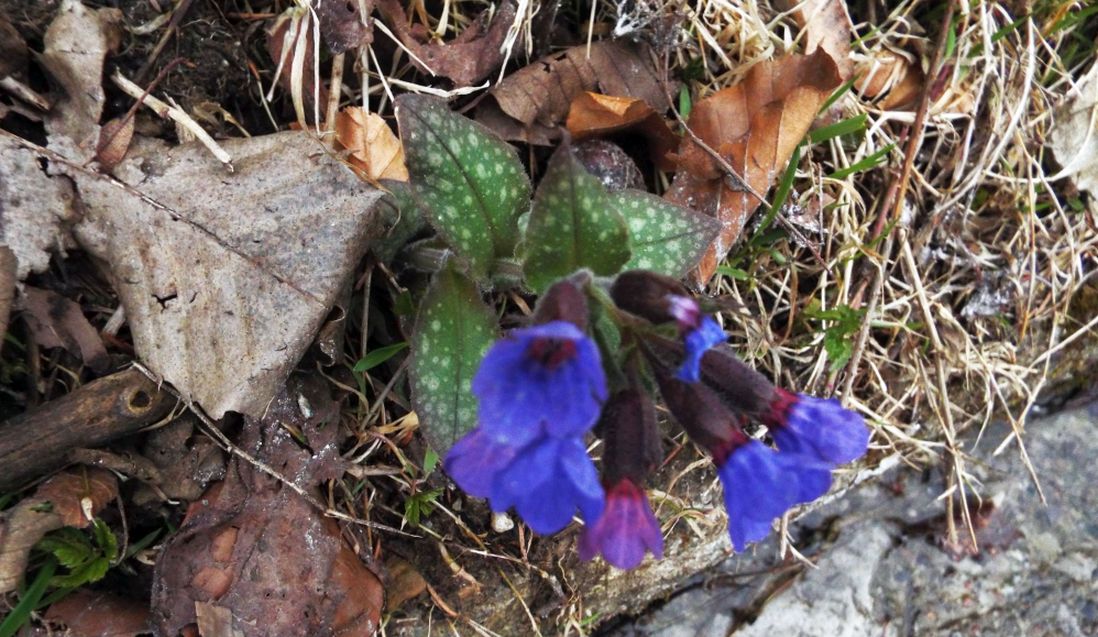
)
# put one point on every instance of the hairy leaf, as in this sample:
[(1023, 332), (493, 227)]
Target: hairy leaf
[(666, 238), (573, 225), (469, 183), (454, 329)]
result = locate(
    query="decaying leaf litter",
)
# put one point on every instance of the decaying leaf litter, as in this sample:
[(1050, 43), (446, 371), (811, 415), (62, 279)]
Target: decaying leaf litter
[(934, 275)]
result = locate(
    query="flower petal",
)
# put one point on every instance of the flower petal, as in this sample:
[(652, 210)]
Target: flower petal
[(707, 335), (475, 461)]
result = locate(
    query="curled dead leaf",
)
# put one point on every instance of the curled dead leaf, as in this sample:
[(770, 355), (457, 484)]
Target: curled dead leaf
[(114, 141), (467, 59), (1073, 139), (892, 79), (55, 321), (754, 126), (529, 104), (595, 115), (374, 150), (78, 495)]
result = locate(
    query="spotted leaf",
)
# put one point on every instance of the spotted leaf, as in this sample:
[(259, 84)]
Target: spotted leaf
[(469, 183), (454, 330), (573, 225), (666, 238)]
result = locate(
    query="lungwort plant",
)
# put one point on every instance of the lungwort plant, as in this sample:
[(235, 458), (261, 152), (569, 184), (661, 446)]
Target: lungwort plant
[(613, 331)]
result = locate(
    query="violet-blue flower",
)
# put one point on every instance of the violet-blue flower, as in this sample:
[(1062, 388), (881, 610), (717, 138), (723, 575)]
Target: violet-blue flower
[(548, 374), (700, 333), (817, 428), (626, 529), (547, 481), (760, 484), (475, 461)]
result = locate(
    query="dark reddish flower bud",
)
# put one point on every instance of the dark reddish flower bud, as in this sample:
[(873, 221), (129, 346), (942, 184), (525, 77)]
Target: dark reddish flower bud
[(740, 386), (647, 294), (631, 436), (563, 301), (703, 416)]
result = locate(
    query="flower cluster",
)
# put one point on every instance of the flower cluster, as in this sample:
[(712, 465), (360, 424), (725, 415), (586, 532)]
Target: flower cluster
[(543, 388)]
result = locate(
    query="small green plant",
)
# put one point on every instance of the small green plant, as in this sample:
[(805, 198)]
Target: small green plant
[(420, 505), (843, 323), (87, 559)]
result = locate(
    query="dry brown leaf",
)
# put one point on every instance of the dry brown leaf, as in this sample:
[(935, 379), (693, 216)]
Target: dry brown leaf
[(405, 582), (114, 141), (215, 621), (76, 43), (33, 208), (467, 59), (595, 114), (531, 103), (55, 321), (754, 126), (225, 278), (1073, 138), (254, 546), (827, 26), (97, 614), (345, 24), (374, 149), (71, 498), (13, 49)]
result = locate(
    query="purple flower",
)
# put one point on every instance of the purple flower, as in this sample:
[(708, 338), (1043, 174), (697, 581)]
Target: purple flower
[(475, 461), (700, 333), (546, 482), (760, 484), (626, 529), (549, 373), (816, 428)]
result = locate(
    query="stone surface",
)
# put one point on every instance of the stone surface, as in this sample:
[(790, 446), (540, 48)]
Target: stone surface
[(885, 564)]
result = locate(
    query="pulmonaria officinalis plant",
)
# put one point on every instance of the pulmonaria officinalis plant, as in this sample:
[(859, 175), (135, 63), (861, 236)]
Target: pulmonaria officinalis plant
[(613, 332)]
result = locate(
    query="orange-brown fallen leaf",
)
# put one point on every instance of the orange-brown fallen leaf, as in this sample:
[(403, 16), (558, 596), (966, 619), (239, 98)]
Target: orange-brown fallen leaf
[(530, 104), (754, 126), (595, 115), (55, 321), (374, 150)]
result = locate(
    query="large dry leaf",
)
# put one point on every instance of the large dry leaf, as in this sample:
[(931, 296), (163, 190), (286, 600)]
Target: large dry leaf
[(1074, 137), (467, 59), (55, 321), (531, 103), (33, 208), (373, 147), (71, 498), (596, 115), (754, 126), (76, 43), (257, 548), (225, 278), (827, 26)]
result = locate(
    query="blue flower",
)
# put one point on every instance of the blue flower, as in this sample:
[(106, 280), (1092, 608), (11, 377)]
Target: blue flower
[(760, 484), (818, 429), (549, 375), (475, 461), (626, 529), (700, 333), (546, 482)]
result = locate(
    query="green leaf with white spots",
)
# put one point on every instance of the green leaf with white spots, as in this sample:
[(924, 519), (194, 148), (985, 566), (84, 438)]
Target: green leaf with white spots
[(469, 183), (573, 225), (454, 330), (666, 238)]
